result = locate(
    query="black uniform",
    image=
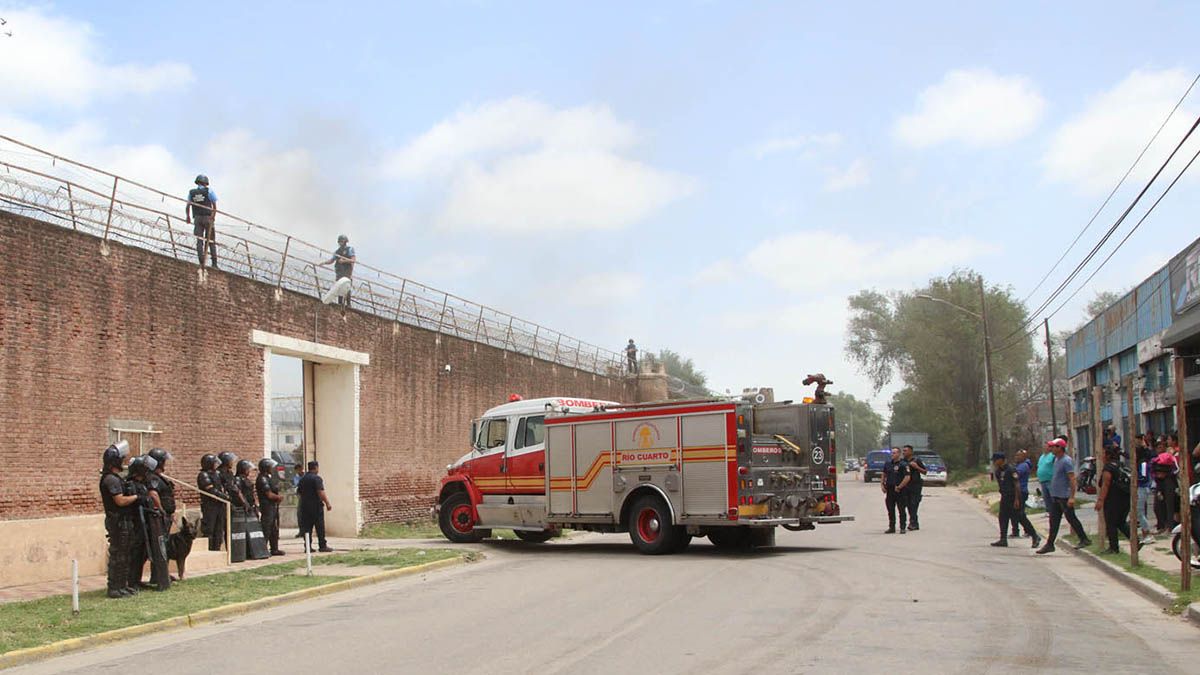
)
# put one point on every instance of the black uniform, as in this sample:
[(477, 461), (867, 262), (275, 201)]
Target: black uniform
[(1116, 504), (1010, 511), (118, 526), (913, 497), (245, 488), (139, 551), (268, 511), (894, 473), (229, 484), (312, 511), (212, 512), (158, 526)]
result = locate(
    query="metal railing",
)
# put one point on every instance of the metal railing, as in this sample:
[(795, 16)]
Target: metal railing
[(228, 514), (61, 191)]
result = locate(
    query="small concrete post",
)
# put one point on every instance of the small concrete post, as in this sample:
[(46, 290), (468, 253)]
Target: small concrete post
[(308, 552), (74, 586)]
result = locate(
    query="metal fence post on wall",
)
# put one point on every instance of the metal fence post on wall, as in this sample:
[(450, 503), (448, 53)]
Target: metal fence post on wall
[(111, 202), (71, 206), (171, 234), (536, 331), (287, 244), (442, 318)]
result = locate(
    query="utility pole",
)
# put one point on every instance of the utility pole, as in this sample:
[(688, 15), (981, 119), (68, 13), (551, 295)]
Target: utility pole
[(1134, 535), (1050, 376), (850, 414), (1185, 491), (1097, 448), (993, 436)]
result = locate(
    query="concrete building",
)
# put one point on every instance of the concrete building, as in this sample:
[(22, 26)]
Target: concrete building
[(1134, 344)]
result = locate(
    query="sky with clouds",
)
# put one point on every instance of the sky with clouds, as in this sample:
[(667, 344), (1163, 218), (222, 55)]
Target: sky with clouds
[(711, 177)]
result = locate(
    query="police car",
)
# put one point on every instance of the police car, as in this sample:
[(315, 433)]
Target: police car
[(936, 466)]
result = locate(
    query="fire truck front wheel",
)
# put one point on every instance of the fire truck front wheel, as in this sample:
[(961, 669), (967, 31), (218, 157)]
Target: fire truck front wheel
[(456, 521), (651, 529)]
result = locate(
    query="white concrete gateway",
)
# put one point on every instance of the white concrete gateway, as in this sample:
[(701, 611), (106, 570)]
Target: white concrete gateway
[(331, 419)]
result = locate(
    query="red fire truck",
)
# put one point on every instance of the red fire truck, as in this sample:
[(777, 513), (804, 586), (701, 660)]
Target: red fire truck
[(730, 470)]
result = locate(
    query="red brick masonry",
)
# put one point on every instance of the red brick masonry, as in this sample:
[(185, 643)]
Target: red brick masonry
[(86, 337)]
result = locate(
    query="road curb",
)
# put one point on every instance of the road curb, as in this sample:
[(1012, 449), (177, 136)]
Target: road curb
[(1143, 587), (206, 616)]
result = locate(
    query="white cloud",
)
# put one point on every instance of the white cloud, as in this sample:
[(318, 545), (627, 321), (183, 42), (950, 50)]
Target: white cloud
[(719, 272), (975, 107), (604, 289), (1094, 149), (793, 261), (52, 62), (795, 143), (520, 166), (855, 175)]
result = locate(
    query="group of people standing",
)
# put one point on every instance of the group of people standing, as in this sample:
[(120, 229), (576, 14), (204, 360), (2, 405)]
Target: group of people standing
[(139, 509), (903, 479), (224, 478)]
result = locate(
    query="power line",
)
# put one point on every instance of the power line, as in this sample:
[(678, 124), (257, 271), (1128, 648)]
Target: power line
[(1035, 315), (1114, 252), (1114, 190)]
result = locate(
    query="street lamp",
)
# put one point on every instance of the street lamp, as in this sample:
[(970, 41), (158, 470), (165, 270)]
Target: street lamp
[(993, 441)]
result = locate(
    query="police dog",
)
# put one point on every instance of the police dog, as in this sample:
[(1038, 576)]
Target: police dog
[(179, 544)]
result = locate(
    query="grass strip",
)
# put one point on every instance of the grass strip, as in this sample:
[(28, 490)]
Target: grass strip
[(46, 620), (1168, 580)]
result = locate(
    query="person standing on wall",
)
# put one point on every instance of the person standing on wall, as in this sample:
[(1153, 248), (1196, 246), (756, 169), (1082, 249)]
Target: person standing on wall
[(267, 487), (201, 211), (916, 473), (343, 264), (631, 361), (312, 497), (118, 519)]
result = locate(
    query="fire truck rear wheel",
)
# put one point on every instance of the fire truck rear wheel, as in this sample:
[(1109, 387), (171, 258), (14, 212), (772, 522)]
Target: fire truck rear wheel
[(650, 527), (456, 521), (535, 537)]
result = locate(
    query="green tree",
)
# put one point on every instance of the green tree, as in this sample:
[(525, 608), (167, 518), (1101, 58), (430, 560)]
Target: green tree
[(937, 351), (1102, 301), (868, 425), (678, 366)]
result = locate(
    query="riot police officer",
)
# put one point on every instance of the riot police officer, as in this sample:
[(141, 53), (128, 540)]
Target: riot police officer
[(228, 478), (118, 519), (147, 511), (160, 528), (212, 511), (267, 487), (245, 485)]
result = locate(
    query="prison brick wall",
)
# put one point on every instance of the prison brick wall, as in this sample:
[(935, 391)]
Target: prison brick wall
[(88, 337)]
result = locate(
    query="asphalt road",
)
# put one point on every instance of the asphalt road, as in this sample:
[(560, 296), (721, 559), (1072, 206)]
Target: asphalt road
[(846, 598)]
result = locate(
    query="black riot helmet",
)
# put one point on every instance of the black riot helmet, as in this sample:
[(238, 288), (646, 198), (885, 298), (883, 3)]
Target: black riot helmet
[(115, 454), (140, 466), (227, 458), (266, 465), (202, 180), (208, 462), (244, 466), (160, 456)]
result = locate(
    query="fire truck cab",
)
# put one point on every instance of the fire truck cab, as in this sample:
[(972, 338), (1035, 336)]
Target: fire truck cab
[(665, 472)]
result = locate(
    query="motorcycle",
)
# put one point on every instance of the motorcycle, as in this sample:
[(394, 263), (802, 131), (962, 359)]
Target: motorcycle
[(1177, 533), (1087, 475)]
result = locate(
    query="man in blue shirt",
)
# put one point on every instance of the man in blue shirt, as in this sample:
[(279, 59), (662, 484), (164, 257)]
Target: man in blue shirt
[(311, 490), (1024, 468), (202, 210), (1062, 495), (343, 264)]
